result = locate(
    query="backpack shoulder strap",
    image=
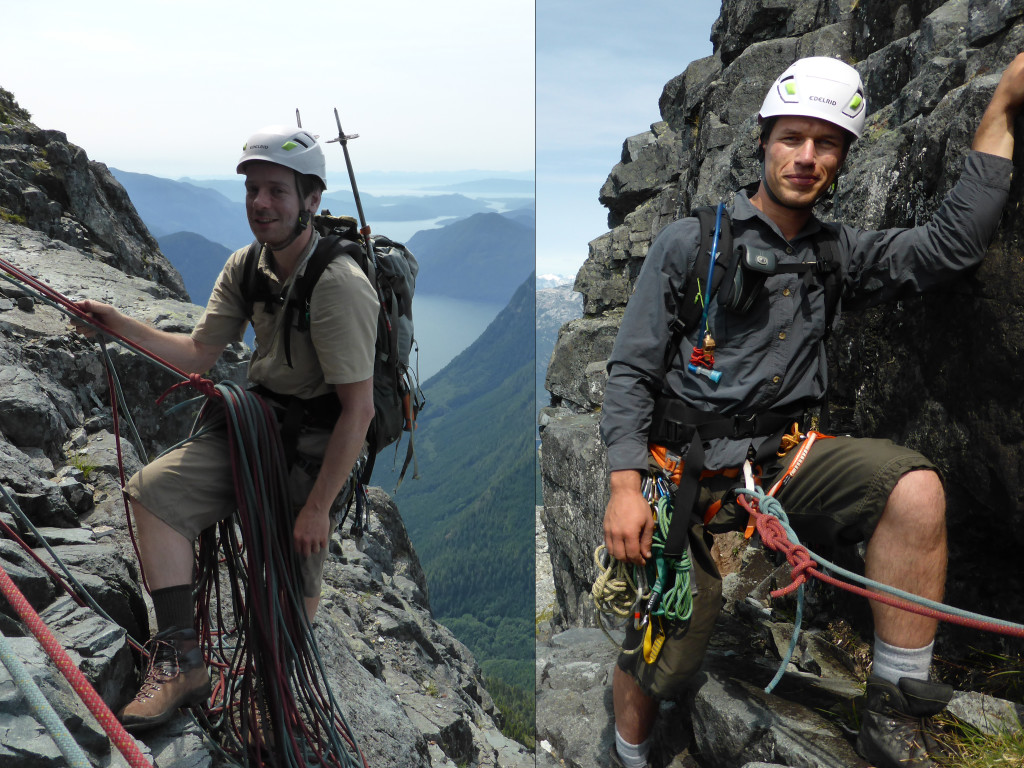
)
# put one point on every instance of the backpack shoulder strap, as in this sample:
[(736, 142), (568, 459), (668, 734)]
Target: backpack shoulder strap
[(829, 268), (689, 309), (254, 285)]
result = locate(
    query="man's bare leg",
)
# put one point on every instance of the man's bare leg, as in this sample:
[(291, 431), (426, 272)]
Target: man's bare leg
[(166, 555), (177, 674), (635, 711), (312, 603), (908, 551)]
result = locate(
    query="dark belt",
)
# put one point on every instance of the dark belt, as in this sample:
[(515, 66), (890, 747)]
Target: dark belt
[(673, 424), (677, 426), (318, 412)]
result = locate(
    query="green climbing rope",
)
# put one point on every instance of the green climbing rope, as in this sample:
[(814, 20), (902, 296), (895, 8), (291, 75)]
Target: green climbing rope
[(671, 577)]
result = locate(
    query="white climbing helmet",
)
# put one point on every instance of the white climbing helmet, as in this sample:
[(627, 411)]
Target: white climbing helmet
[(293, 148), (820, 87)]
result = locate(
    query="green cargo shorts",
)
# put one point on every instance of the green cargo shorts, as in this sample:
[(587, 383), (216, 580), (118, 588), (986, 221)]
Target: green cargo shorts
[(190, 488), (834, 500)]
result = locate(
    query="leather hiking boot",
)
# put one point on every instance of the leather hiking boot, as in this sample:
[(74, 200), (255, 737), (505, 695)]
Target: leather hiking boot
[(177, 676), (893, 733)]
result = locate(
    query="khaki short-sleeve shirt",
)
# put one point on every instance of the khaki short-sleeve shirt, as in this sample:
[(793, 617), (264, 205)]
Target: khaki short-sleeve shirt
[(337, 349)]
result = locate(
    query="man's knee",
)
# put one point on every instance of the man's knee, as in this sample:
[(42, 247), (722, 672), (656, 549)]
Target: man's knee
[(917, 501)]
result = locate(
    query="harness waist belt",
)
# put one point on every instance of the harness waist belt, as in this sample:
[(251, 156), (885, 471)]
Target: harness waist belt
[(674, 424), (316, 412)]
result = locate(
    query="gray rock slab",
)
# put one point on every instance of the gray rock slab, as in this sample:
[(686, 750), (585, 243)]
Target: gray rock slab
[(988, 714), (734, 723)]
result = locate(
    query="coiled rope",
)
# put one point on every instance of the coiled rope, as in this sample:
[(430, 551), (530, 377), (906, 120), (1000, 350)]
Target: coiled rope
[(621, 590), (274, 696)]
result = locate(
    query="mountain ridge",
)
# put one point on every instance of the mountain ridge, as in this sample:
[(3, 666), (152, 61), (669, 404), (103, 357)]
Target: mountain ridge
[(482, 257)]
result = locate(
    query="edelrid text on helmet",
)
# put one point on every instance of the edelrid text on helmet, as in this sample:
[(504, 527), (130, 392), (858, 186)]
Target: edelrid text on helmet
[(820, 87), (293, 148)]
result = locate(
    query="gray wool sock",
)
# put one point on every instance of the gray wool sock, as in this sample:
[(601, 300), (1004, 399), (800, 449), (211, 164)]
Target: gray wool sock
[(891, 662)]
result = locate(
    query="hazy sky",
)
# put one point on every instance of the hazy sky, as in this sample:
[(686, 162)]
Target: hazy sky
[(601, 66), (174, 87)]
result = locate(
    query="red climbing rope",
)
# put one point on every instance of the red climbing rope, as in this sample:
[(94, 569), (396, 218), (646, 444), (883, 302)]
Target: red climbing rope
[(774, 536), (118, 735)]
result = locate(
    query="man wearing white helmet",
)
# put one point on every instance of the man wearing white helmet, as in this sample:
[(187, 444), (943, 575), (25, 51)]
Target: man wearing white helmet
[(771, 361), (189, 489)]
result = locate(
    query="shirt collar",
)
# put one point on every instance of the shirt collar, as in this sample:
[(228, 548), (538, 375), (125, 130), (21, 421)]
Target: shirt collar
[(744, 210)]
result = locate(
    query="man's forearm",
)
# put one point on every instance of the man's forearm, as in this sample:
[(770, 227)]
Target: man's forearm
[(995, 131), (178, 349)]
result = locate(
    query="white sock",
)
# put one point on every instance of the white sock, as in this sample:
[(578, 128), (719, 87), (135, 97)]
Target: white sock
[(891, 663), (632, 755)]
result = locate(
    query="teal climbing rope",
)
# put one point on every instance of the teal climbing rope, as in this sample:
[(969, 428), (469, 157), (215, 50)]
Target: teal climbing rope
[(41, 708), (670, 576)]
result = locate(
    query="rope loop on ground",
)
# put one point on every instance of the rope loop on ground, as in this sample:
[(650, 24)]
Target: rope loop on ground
[(120, 738)]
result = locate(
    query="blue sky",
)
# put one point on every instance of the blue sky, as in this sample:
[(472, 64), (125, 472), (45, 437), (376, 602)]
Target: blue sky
[(601, 66), (174, 87)]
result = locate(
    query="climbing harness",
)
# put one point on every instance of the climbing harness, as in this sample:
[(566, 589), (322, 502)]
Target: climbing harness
[(277, 677), (655, 594)]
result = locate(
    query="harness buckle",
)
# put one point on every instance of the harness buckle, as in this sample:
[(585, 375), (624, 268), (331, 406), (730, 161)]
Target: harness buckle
[(744, 426)]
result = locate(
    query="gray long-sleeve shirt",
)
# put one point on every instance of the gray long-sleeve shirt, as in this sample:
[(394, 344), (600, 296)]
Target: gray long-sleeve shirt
[(772, 358)]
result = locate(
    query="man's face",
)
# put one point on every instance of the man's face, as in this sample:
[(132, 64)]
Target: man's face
[(802, 157), (271, 202)]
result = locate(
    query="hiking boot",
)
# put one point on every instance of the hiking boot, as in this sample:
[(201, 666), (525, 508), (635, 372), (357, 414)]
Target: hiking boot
[(177, 676), (893, 733)]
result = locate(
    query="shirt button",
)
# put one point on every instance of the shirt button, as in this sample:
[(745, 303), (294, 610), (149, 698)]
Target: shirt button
[(782, 336), (776, 379), (785, 291), (789, 249)]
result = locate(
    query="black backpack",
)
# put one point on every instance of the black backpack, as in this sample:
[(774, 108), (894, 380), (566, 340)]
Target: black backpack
[(397, 397)]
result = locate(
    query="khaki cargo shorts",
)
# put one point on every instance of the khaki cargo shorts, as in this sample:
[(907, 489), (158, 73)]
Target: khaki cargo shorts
[(190, 488), (835, 500)]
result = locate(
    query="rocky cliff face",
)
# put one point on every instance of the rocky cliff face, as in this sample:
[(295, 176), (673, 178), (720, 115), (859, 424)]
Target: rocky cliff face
[(410, 691), (940, 373)]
